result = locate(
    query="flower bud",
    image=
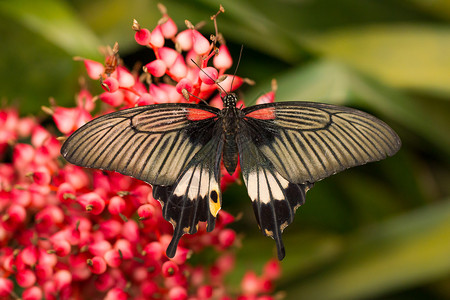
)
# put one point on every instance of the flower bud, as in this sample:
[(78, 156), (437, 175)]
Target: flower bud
[(94, 69), (227, 237), (114, 99), (200, 43), (208, 75), (25, 278), (157, 68), (6, 287), (157, 37), (116, 205), (142, 36), (169, 268), (97, 265), (115, 294), (169, 28), (110, 84), (184, 40), (32, 293), (223, 60)]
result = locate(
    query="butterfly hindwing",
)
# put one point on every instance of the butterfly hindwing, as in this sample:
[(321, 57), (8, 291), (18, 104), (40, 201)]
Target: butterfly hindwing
[(307, 141), (274, 198), (151, 143), (195, 196)]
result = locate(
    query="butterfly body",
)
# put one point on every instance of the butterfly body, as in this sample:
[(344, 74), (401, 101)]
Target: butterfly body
[(282, 149)]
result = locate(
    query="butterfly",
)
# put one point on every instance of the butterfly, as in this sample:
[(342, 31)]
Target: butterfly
[(283, 148)]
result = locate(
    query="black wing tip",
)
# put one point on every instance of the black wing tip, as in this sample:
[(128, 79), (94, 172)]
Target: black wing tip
[(172, 248), (281, 252)]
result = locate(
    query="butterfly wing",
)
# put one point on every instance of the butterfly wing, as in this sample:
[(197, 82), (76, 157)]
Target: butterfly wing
[(274, 198), (285, 147), (309, 141), (151, 143), (196, 195)]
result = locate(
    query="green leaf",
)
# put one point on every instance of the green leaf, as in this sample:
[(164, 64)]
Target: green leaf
[(412, 56), (55, 21), (405, 251)]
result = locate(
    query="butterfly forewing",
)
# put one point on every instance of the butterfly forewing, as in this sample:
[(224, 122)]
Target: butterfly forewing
[(151, 143), (308, 141)]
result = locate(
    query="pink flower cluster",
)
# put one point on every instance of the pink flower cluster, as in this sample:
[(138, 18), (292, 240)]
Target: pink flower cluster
[(72, 233)]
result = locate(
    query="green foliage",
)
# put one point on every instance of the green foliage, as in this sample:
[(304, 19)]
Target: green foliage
[(380, 230)]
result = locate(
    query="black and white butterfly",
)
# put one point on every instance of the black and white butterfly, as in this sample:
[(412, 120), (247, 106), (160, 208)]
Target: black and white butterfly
[(282, 148)]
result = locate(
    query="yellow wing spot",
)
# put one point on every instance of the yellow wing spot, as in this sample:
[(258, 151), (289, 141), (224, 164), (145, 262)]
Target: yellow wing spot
[(268, 233), (214, 203), (283, 226)]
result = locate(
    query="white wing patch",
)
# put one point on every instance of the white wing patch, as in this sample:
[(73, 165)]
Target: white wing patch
[(197, 183), (265, 186)]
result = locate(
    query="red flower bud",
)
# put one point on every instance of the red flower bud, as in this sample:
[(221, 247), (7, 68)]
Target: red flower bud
[(250, 284), (92, 203), (208, 75), (223, 60), (184, 84), (97, 265), (142, 36), (169, 268), (184, 40), (178, 293), (114, 99), (125, 78), (62, 279), (110, 84), (61, 247), (130, 230), (116, 205), (25, 278), (32, 293), (158, 94), (200, 43), (169, 28), (272, 269), (6, 287), (100, 247), (110, 228), (125, 248), (94, 69), (179, 68), (115, 294), (112, 258), (157, 38), (204, 292), (153, 250), (157, 68)]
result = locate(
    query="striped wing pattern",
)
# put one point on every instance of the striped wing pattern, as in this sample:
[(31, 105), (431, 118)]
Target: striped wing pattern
[(151, 143), (196, 194), (308, 141), (274, 198)]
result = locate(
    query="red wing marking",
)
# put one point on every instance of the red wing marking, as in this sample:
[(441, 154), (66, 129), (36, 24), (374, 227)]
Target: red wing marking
[(263, 114), (196, 114)]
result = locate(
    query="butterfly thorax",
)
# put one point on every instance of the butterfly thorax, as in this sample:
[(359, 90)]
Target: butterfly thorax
[(231, 117)]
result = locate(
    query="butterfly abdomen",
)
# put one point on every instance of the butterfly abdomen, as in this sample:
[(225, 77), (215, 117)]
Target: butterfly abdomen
[(230, 129)]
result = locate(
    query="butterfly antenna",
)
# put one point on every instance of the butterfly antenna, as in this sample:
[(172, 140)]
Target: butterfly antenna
[(201, 70), (237, 66)]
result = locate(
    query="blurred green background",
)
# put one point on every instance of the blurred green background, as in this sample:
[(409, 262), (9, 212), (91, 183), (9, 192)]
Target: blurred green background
[(380, 231)]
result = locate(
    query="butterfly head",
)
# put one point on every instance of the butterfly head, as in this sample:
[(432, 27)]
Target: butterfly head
[(229, 100)]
